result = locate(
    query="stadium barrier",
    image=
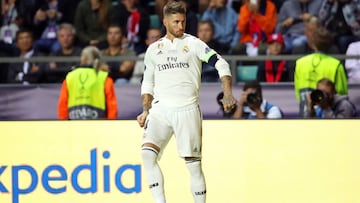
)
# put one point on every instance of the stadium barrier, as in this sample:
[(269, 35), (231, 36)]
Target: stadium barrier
[(234, 60)]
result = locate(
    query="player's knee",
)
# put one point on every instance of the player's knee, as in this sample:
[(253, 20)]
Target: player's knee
[(149, 154)]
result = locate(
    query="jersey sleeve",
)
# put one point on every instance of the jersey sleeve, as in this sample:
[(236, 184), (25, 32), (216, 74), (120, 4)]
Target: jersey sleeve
[(210, 56), (147, 86), (203, 51)]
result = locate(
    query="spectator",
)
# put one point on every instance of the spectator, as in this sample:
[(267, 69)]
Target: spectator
[(56, 71), (46, 20), (310, 26), (324, 102), (342, 17), (6, 50), (26, 11), (206, 34), (9, 21), (191, 18), (26, 72), (252, 105), (135, 21), (291, 18), (87, 92), (92, 18), (275, 70), (311, 68), (120, 72), (153, 35), (256, 20), (69, 12), (224, 19), (352, 66)]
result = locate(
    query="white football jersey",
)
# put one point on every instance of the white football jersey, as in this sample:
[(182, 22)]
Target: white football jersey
[(173, 70)]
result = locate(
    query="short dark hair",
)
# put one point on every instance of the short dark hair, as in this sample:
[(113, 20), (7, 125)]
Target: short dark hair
[(24, 30), (174, 7), (115, 25), (253, 84)]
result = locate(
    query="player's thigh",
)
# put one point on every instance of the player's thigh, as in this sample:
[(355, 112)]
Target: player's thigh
[(157, 131), (188, 132)]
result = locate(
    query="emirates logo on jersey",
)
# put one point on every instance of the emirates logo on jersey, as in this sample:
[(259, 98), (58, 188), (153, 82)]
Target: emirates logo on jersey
[(173, 63)]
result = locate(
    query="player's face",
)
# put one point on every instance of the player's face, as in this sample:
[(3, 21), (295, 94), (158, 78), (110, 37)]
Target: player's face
[(175, 25)]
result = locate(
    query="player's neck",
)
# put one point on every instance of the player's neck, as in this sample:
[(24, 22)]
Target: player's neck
[(170, 37)]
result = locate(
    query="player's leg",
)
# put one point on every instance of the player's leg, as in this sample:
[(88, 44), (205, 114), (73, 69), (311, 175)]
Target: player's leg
[(153, 172), (188, 132), (156, 136), (197, 180)]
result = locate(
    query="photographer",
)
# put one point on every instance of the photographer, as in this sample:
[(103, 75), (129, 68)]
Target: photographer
[(251, 104), (324, 102)]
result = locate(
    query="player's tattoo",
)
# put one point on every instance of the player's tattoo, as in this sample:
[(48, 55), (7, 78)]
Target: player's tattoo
[(146, 101)]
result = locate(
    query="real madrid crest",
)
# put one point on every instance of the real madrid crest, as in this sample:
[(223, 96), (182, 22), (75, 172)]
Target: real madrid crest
[(186, 48), (160, 45)]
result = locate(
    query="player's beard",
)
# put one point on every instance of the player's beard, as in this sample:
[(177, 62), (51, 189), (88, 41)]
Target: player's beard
[(176, 34)]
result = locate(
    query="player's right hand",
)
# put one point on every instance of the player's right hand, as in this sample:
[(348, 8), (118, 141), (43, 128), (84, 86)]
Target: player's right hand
[(142, 118)]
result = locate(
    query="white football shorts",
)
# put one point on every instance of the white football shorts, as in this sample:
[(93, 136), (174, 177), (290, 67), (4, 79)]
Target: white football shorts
[(184, 123)]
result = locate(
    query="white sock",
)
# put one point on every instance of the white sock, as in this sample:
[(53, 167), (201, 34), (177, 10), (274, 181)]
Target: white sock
[(197, 181), (154, 175)]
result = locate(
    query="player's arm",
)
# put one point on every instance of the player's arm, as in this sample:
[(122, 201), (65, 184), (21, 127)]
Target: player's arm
[(147, 89), (228, 100), (223, 68), (146, 102)]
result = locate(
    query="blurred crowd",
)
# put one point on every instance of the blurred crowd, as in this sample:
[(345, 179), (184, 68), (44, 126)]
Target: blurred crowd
[(62, 28)]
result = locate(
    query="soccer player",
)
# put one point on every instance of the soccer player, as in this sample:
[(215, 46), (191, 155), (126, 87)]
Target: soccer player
[(170, 97)]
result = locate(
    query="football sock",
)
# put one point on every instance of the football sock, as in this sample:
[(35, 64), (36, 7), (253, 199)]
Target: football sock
[(197, 181), (154, 175)]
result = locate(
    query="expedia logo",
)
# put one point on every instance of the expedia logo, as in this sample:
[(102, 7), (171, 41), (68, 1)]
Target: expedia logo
[(58, 175)]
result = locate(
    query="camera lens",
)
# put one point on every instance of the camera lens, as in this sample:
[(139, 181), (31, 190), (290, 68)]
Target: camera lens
[(317, 96), (253, 98)]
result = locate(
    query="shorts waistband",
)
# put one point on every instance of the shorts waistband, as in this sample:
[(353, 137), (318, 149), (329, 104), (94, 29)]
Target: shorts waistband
[(182, 108)]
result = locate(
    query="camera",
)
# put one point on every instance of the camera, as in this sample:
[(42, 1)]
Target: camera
[(318, 96), (253, 98)]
